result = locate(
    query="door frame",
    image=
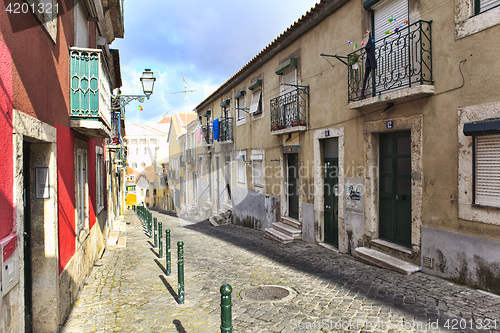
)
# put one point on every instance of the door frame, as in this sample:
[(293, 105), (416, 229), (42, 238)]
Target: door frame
[(319, 183), (371, 132)]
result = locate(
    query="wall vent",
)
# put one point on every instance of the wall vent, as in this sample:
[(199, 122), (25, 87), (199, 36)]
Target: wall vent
[(428, 262)]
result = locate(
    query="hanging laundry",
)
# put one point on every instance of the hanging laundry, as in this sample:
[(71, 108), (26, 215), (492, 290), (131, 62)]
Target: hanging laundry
[(216, 129)]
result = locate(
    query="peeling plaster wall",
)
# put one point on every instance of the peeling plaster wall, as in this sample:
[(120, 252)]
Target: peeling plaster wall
[(254, 210), (465, 259)]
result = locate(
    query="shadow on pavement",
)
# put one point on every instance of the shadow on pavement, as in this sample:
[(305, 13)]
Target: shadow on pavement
[(163, 269), (178, 326), (169, 288), (155, 253)]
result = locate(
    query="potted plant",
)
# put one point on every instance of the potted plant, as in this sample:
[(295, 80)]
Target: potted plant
[(353, 60)]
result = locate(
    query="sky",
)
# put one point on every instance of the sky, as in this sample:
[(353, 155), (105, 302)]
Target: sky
[(204, 42)]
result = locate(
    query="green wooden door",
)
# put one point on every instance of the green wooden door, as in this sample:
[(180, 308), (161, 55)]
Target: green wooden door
[(331, 219), (293, 185), (395, 188)]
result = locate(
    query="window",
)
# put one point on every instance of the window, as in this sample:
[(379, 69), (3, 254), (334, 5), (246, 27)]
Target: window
[(472, 16), (46, 12), (147, 193), (131, 188), (256, 101), (258, 172), (81, 190), (131, 178), (134, 165), (81, 25), (143, 164), (481, 6), (99, 177), (242, 168), (487, 170)]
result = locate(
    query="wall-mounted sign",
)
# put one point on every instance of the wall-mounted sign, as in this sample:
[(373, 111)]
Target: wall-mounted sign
[(42, 183), (327, 133), (389, 124)]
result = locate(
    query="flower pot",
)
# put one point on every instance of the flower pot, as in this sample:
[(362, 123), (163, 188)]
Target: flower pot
[(355, 66)]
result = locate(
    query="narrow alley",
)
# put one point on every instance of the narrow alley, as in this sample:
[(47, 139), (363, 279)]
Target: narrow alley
[(128, 290)]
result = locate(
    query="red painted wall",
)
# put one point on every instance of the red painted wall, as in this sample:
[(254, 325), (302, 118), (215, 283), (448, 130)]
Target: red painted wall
[(66, 194), (7, 151), (92, 183)]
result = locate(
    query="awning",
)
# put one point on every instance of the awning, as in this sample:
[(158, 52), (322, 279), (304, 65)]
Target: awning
[(491, 126)]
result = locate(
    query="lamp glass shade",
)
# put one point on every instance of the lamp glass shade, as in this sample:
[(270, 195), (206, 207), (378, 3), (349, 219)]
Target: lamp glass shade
[(148, 81)]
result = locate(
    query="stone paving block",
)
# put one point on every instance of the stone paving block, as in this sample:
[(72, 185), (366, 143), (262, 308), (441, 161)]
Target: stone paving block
[(128, 290)]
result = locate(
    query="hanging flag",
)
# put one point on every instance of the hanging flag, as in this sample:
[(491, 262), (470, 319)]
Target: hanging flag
[(140, 108)]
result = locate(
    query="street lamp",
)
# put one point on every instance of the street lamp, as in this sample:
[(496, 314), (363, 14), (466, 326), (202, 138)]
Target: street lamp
[(147, 80)]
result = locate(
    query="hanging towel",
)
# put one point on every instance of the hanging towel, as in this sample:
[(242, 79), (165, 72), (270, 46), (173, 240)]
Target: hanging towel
[(216, 129), (198, 134)]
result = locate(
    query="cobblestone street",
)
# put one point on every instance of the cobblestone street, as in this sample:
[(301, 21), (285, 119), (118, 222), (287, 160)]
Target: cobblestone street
[(128, 290)]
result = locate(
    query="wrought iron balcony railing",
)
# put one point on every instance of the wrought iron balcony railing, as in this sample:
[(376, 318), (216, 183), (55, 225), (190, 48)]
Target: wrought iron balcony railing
[(289, 109), (90, 92), (226, 129), (207, 134), (404, 59)]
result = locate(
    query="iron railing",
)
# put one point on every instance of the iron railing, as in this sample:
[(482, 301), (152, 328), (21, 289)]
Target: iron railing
[(289, 109), (225, 129), (90, 89), (404, 58), (207, 134)]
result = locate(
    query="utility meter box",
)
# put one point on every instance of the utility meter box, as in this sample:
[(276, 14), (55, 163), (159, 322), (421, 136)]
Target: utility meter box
[(10, 264)]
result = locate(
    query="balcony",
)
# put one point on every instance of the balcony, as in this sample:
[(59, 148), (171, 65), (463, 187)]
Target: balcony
[(90, 103), (226, 130), (403, 73), (288, 111), (207, 134)]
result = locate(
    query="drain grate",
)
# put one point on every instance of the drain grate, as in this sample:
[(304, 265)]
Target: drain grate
[(267, 294)]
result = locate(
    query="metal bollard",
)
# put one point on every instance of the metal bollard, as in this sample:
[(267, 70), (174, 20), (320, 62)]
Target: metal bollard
[(226, 325), (155, 232), (160, 243), (180, 271), (167, 249)]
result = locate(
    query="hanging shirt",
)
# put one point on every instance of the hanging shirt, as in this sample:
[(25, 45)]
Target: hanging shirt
[(216, 129)]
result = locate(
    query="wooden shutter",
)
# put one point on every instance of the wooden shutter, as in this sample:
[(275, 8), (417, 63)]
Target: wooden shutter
[(288, 77), (488, 170)]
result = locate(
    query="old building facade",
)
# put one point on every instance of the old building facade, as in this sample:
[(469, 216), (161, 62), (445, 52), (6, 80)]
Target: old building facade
[(383, 145), (57, 75)]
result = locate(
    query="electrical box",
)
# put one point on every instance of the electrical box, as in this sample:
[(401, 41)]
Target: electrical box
[(10, 264)]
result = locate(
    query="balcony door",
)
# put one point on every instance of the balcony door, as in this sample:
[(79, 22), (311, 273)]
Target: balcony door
[(392, 44)]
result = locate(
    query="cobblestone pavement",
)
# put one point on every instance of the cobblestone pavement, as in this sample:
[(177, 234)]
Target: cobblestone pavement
[(128, 290)]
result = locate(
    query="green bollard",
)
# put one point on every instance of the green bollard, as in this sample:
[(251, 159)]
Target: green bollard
[(226, 325), (155, 232), (167, 249), (160, 243), (180, 271)]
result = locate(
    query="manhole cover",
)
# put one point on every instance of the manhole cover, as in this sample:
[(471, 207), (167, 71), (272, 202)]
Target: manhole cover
[(268, 294)]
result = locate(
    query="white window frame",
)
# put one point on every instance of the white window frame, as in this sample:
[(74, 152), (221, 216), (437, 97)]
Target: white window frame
[(242, 168), (486, 170), (258, 170), (467, 209), (240, 111), (46, 15), (81, 192), (100, 179), (466, 23), (256, 102)]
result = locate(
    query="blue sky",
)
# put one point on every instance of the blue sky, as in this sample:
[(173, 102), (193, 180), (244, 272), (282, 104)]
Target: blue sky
[(205, 42)]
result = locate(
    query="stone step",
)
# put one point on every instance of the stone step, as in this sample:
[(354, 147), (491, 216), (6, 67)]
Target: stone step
[(113, 237), (278, 236), (122, 241), (386, 261), (287, 229), (291, 222)]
